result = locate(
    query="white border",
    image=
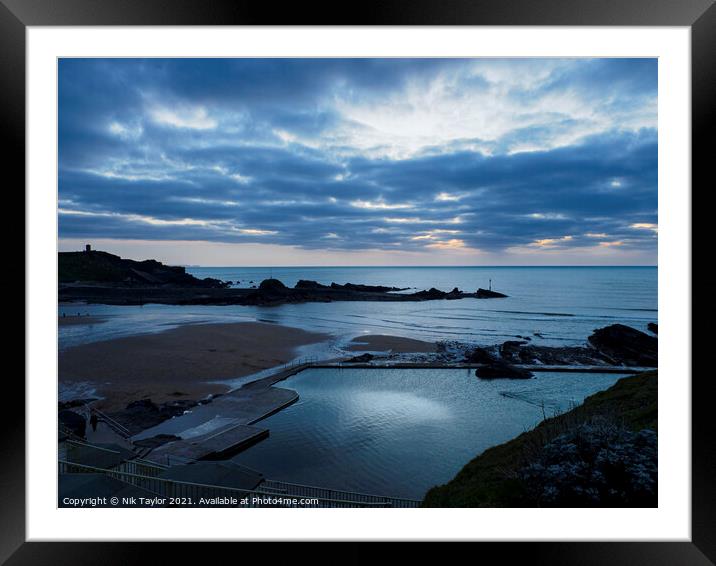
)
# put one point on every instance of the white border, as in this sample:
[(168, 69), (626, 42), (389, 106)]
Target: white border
[(670, 521)]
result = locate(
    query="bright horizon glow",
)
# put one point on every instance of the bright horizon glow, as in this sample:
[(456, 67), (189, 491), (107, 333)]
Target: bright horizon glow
[(212, 254)]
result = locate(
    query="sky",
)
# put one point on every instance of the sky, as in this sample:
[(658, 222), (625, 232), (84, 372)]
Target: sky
[(237, 162)]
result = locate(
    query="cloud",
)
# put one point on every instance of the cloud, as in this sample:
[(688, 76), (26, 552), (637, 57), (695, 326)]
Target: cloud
[(429, 156), (196, 118), (453, 243), (551, 242), (447, 197), (380, 205), (645, 226)]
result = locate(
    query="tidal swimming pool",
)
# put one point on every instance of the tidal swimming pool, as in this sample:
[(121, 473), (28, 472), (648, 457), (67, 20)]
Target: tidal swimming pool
[(398, 432)]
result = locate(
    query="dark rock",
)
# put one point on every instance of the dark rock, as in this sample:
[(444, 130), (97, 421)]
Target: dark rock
[(61, 405), (653, 327), (307, 284), (625, 345), (74, 422), (176, 408), (272, 285), (102, 278), (480, 356), (144, 413), (510, 350), (502, 370), (103, 267), (432, 293), (215, 283), (557, 355), (454, 294), (365, 288), (144, 405), (488, 294), (363, 358)]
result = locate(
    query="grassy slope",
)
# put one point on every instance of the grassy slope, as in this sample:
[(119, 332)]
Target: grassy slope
[(485, 481), (93, 266)]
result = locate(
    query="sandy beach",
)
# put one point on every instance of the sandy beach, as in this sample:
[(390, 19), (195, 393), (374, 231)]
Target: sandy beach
[(384, 343), (179, 363)]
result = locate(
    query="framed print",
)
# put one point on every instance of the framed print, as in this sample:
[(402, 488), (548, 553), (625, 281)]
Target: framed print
[(409, 277)]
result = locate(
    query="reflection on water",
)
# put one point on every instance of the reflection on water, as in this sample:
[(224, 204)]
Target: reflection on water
[(387, 406), (399, 432)]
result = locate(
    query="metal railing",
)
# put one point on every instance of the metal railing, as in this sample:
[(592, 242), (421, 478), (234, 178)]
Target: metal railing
[(106, 458), (69, 433), (307, 491), (141, 468), (193, 493), (306, 361), (120, 429)]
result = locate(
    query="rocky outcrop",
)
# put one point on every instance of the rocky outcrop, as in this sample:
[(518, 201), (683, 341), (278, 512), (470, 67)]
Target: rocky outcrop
[(143, 414), (307, 284), (498, 369), (102, 267), (480, 356), (272, 285), (362, 359), (488, 294), (625, 345), (454, 294), (73, 422), (653, 327), (62, 405), (612, 345), (366, 288), (552, 355), (270, 292), (430, 294), (510, 349)]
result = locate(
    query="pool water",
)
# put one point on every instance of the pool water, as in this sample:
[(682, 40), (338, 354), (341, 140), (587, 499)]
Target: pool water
[(398, 432)]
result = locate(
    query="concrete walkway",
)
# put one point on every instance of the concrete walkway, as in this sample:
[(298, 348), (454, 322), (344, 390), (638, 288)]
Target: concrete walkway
[(221, 428), (220, 444)]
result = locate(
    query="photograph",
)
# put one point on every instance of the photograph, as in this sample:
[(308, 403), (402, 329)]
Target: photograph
[(357, 282)]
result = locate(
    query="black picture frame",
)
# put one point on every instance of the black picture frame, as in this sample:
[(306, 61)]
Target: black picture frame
[(699, 15)]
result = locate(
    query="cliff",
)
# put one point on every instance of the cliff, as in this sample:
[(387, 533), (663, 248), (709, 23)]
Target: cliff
[(106, 268), (600, 454)]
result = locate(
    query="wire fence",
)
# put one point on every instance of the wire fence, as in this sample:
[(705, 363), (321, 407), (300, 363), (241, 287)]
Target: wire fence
[(300, 490), (267, 494)]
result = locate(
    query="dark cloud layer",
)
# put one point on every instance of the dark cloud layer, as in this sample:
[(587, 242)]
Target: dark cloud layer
[(342, 154)]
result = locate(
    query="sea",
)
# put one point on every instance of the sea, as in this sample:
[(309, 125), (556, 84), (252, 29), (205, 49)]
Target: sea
[(550, 305)]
